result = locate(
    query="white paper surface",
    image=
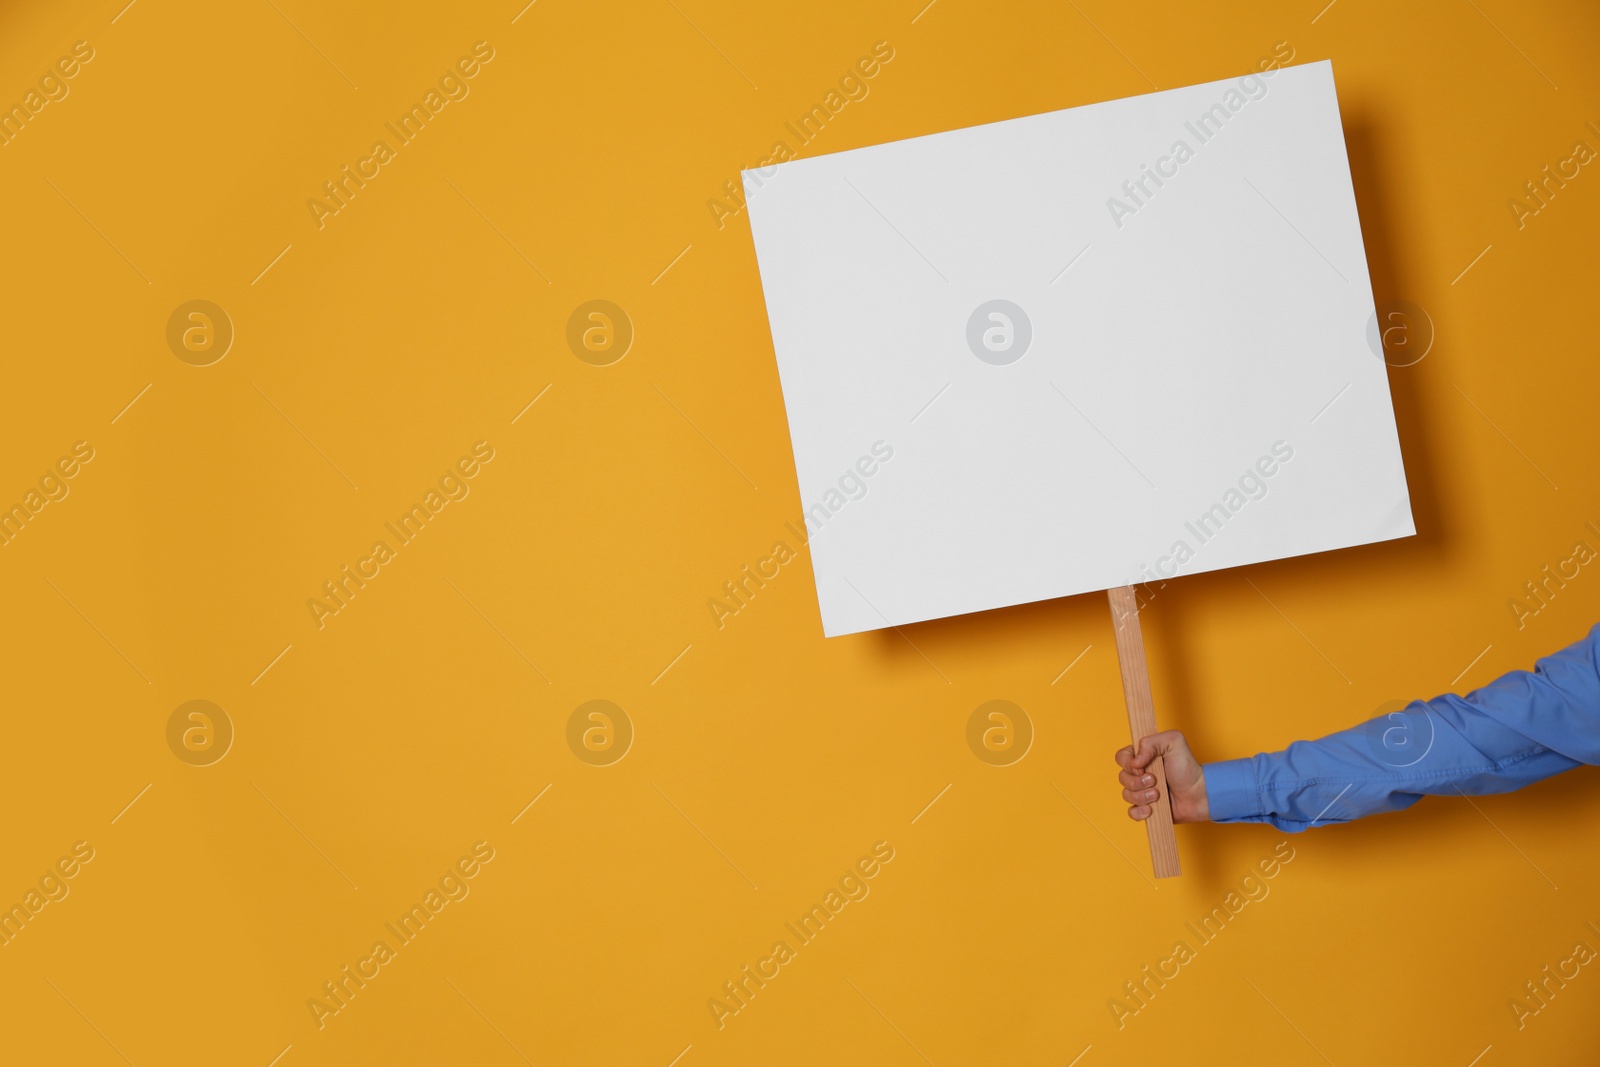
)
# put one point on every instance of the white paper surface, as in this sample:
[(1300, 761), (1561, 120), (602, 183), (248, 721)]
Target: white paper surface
[(1176, 342)]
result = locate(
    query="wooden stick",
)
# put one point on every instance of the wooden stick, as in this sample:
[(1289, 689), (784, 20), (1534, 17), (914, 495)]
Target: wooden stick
[(1142, 723)]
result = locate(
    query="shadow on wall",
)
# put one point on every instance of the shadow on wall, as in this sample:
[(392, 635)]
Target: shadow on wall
[(1380, 564), (1188, 602), (1437, 828), (1367, 570)]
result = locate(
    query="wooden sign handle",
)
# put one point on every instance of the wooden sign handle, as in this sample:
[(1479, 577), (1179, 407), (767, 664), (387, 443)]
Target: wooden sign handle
[(1142, 723)]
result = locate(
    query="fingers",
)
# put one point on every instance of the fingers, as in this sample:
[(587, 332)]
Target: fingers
[(1138, 784)]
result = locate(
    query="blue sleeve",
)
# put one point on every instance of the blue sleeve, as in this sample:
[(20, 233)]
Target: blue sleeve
[(1518, 729)]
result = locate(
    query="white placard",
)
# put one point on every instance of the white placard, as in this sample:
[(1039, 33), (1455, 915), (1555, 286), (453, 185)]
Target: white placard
[(1079, 350)]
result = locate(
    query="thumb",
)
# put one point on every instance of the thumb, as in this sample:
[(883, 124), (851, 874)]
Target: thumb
[(1154, 745)]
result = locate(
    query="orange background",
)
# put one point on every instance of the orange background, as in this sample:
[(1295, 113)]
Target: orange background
[(425, 716)]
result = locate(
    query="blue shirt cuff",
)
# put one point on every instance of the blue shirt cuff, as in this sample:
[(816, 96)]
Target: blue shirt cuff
[(1231, 790)]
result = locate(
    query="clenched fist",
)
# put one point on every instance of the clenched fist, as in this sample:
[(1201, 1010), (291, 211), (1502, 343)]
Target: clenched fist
[(1186, 780)]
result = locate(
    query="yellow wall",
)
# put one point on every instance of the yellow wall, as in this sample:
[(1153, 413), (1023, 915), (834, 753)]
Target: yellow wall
[(377, 750)]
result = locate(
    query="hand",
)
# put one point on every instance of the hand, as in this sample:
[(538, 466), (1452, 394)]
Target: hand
[(1186, 780)]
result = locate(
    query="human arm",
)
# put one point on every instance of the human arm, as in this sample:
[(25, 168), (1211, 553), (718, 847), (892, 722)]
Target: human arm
[(1523, 727)]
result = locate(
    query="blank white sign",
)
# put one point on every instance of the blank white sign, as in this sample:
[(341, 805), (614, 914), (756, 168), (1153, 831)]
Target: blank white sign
[(1098, 346)]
